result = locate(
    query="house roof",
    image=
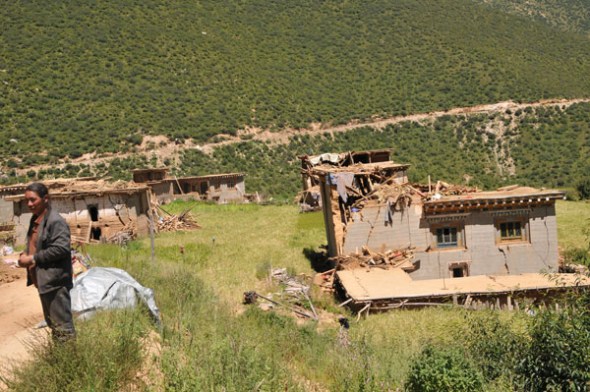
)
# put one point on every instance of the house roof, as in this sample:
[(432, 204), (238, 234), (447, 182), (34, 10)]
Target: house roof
[(66, 188), (512, 195), (364, 285), (336, 157), (159, 170), (360, 168), (209, 176)]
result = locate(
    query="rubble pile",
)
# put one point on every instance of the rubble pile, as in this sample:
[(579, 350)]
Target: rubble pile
[(183, 221), (398, 258)]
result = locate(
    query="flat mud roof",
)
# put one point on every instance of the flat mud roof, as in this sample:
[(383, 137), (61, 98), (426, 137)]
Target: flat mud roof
[(366, 285)]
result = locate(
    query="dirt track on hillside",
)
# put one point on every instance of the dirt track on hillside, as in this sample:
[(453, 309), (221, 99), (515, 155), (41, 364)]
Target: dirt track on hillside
[(163, 148)]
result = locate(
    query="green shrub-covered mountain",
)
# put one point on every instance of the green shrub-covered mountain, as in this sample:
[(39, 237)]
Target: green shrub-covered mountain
[(566, 15), (97, 76)]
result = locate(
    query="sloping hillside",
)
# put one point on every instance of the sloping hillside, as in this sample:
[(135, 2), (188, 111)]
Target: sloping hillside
[(98, 76), (565, 15), (542, 144)]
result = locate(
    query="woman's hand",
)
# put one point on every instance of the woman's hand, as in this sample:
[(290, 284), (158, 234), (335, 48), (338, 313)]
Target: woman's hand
[(25, 260)]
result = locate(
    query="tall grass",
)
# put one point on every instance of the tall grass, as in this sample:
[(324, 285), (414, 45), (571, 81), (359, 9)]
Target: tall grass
[(573, 219), (104, 357), (211, 341)]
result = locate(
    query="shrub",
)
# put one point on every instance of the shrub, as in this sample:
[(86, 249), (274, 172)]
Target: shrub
[(558, 356), (492, 345), (443, 369), (576, 256), (583, 188)]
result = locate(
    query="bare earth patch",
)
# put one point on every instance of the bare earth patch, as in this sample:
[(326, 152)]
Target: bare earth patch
[(20, 311)]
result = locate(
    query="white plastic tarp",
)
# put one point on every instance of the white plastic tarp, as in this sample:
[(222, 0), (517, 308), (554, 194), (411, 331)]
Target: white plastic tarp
[(109, 288), (326, 157)]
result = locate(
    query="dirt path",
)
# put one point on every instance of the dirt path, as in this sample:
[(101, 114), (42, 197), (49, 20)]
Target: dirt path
[(20, 311), (163, 148), (282, 137)]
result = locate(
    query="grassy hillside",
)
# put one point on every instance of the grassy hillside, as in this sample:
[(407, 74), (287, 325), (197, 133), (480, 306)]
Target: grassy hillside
[(210, 341), (96, 76)]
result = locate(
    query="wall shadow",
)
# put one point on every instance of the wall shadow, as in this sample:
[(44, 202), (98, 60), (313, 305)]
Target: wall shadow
[(318, 259)]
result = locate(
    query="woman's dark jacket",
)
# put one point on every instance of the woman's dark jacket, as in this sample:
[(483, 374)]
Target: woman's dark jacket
[(53, 257)]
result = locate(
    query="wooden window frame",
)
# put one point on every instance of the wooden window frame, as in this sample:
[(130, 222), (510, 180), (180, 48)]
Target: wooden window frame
[(508, 222), (460, 230)]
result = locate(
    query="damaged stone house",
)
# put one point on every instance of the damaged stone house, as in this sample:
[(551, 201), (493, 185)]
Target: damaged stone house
[(221, 188), (309, 198), (94, 209), (467, 242)]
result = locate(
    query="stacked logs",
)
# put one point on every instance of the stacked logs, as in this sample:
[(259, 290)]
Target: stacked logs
[(182, 221)]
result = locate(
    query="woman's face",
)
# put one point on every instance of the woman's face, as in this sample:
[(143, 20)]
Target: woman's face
[(36, 203)]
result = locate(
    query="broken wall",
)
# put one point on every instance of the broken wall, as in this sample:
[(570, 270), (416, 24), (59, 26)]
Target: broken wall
[(81, 208), (480, 252)]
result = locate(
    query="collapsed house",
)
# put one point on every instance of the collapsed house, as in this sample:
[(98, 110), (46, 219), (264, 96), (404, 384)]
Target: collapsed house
[(220, 188), (95, 210), (7, 225), (309, 198), (422, 244)]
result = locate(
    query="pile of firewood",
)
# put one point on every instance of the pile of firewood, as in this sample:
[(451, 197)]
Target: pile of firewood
[(399, 258), (124, 235), (182, 221)]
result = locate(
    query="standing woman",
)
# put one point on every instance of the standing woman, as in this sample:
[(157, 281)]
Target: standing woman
[(48, 260)]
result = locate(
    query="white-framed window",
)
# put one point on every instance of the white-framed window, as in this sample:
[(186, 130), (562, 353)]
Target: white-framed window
[(447, 236)]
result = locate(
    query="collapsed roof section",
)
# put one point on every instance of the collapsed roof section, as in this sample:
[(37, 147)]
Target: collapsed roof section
[(344, 159)]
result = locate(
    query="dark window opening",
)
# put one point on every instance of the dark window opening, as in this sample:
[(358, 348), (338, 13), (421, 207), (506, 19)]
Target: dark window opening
[(204, 188), (95, 233), (93, 211), (362, 158), (510, 231), (459, 270)]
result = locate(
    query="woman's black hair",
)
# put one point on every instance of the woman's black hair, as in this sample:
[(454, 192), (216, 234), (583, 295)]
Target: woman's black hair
[(38, 188)]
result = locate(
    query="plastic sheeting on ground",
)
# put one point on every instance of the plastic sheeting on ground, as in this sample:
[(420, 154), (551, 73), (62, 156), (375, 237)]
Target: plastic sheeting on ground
[(109, 288)]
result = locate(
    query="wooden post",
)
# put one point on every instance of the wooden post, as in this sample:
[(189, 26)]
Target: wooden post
[(151, 227), (179, 187), (468, 300)]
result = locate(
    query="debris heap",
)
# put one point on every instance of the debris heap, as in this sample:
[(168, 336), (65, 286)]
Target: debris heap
[(183, 221), (398, 258)]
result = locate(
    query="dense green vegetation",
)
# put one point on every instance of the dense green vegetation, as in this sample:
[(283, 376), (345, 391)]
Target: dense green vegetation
[(537, 146), (543, 147), (209, 341), (96, 76), (566, 15)]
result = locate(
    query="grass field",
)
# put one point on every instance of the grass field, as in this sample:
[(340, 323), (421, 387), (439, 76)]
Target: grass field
[(573, 218), (211, 341)]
